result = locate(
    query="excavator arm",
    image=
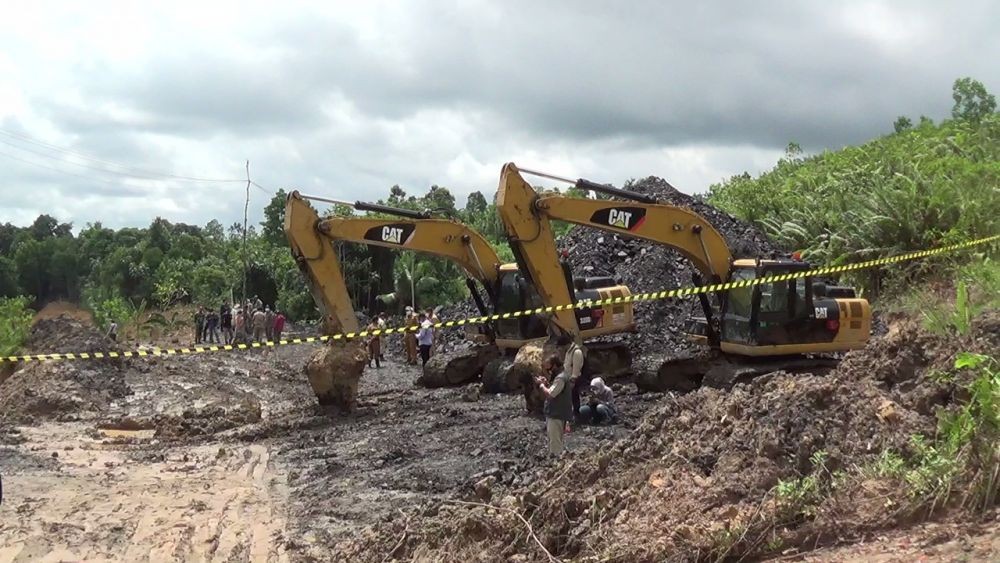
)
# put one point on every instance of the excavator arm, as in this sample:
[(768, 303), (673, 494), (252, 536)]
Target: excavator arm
[(526, 216), (439, 237), (530, 237), (311, 239), (317, 259), (675, 227)]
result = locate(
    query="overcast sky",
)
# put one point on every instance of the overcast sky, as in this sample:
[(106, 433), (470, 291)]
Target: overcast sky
[(104, 105)]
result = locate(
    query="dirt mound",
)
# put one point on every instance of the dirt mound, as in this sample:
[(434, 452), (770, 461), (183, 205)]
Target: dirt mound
[(201, 421), (644, 267), (699, 478), (63, 387), (59, 308)]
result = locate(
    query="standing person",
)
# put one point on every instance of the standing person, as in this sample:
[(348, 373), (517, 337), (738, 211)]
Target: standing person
[(227, 323), (257, 303), (279, 325), (374, 346), (573, 364), (113, 330), (410, 336), (213, 327), (382, 325), (433, 319), (425, 338), (240, 321), (199, 324), (269, 322), (259, 320), (558, 404), (602, 403)]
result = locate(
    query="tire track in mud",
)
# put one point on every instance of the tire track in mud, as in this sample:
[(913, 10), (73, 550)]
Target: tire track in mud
[(139, 502)]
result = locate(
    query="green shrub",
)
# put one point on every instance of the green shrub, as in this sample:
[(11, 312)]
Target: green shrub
[(15, 322)]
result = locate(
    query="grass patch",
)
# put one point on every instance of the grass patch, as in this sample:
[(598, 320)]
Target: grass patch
[(950, 313), (963, 458), (15, 322)]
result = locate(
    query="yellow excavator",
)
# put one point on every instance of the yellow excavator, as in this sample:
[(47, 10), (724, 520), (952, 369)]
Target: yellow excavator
[(756, 329), (506, 289)]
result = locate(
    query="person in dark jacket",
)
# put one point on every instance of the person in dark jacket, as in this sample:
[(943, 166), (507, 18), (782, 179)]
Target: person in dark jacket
[(212, 328), (226, 316), (558, 403), (199, 325)]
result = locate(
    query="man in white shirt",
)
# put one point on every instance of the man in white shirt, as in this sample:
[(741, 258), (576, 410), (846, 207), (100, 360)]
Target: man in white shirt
[(425, 338), (381, 324)]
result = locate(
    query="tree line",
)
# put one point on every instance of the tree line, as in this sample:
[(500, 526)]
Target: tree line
[(120, 272)]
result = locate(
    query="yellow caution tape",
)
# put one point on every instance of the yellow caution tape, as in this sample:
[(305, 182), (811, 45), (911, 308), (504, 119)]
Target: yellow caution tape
[(638, 297)]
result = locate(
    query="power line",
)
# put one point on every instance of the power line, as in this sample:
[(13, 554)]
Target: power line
[(268, 191), (96, 168), (136, 172)]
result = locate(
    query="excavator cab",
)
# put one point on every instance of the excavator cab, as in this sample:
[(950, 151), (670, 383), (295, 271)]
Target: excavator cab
[(794, 316), (516, 293)]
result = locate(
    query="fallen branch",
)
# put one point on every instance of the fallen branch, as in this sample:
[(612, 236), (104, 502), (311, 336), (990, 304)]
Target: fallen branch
[(531, 531), (402, 539)]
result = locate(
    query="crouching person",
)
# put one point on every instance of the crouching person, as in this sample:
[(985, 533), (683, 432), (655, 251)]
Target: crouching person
[(602, 404), (558, 403)]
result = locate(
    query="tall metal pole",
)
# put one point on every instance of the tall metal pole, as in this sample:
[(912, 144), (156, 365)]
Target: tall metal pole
[(246, 208)]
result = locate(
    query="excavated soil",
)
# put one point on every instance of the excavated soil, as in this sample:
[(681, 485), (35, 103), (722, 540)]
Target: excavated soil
[(227, 457), (63, 388), (696, 479)]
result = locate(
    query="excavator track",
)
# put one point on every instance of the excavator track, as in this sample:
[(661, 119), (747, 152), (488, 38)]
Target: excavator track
[(722, 371)]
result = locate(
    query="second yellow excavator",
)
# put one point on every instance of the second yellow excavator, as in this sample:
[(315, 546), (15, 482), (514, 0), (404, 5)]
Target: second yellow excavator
[(770, 326)]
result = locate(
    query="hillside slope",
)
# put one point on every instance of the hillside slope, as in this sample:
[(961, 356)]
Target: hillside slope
[(932, 185)]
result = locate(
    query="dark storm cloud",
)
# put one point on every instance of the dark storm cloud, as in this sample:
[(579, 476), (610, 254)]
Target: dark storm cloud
[(655, 72), (668, 73), (350, 101)]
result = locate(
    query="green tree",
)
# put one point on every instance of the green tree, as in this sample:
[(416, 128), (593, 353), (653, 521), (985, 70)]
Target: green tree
[(972, 101), (272, 227), (64, 268), (440, 200), (43, 227), (902, 123), (188, 247), (160, 235), (8, 235), (8, 278), (476, 203), (32, 263)]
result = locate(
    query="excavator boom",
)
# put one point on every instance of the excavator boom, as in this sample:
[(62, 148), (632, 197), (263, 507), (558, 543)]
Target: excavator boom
[(530, 237), (440, 237), (311, 239), (526, 216), (317, 259), (681, 229)]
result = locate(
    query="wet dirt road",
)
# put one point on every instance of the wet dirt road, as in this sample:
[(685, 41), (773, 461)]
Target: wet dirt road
[(227, 458), (98, 501)]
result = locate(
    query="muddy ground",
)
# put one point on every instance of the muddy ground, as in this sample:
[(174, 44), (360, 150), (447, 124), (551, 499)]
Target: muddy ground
[(225, 457)]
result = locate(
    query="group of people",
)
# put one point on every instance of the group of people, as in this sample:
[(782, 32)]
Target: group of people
[(253, 321), (562, 395), (418, 338)]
